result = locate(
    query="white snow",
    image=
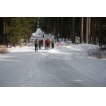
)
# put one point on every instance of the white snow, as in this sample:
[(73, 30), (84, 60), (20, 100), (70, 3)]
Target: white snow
[(65, 66)]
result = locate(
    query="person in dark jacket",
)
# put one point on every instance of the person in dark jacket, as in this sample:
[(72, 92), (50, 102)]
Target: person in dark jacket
[(52, 42), (41, 43), (36, 45), (48, 42)]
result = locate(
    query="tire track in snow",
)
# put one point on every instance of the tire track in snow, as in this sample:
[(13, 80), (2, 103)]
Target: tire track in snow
[(56, 75), (31, 78)]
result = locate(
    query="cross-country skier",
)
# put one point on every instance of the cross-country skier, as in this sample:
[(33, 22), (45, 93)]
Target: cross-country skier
[(46, 44), (52, 42), (39, 44), (36, 45)]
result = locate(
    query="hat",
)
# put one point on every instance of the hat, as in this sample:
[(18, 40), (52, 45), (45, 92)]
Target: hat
[(36, 39)]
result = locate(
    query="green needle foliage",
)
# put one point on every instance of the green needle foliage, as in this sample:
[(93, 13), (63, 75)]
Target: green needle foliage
[(20, 27)]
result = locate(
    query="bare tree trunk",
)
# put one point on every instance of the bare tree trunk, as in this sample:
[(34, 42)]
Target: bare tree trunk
[(61, 27), (20, 41), (6, 35), (95, 30), (71, 29), (84, 29), (100, 30), (89, 23), (92, 28), (81, 40), (1, 31), (54, 30), (11, 43), (87, 30), (57, 29), (28, 38), (73, 32), (68, 28), (4, 31), (51, 31), (65, 27), (91, 31)]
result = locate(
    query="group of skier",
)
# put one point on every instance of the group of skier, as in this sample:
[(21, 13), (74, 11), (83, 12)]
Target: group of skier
[(47, 44)]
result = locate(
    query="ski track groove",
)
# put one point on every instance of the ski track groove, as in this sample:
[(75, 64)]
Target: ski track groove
[(32, 73)]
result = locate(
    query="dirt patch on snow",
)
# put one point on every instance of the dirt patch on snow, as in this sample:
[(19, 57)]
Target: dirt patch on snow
[(3, 49)]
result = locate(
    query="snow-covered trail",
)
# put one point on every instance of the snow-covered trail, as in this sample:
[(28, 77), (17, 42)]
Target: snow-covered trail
[(23, 67), (55, 72), (19, 68)]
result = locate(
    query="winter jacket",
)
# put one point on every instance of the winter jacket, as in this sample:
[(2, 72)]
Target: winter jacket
[(36, 42), (52, 42), (46, 42), (39, 41)]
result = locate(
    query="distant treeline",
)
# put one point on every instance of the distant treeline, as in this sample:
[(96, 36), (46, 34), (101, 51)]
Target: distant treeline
[(13, 29), (87, 28)]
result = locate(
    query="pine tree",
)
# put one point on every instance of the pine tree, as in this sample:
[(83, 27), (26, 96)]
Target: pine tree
[(81, 38), (20, 27)]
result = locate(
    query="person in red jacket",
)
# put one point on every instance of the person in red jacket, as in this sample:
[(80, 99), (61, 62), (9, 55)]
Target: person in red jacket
[(46, 44), (39, 44)]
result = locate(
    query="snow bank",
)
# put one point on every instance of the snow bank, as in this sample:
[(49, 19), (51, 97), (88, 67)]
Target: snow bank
[(81, 61)]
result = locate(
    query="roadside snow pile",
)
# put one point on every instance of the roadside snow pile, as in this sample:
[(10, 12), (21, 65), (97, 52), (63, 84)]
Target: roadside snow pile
[(77, 56), (77, 47), (21, 49), (83, 46)]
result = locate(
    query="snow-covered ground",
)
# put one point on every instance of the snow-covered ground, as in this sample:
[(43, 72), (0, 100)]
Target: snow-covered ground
[(65, 66)]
